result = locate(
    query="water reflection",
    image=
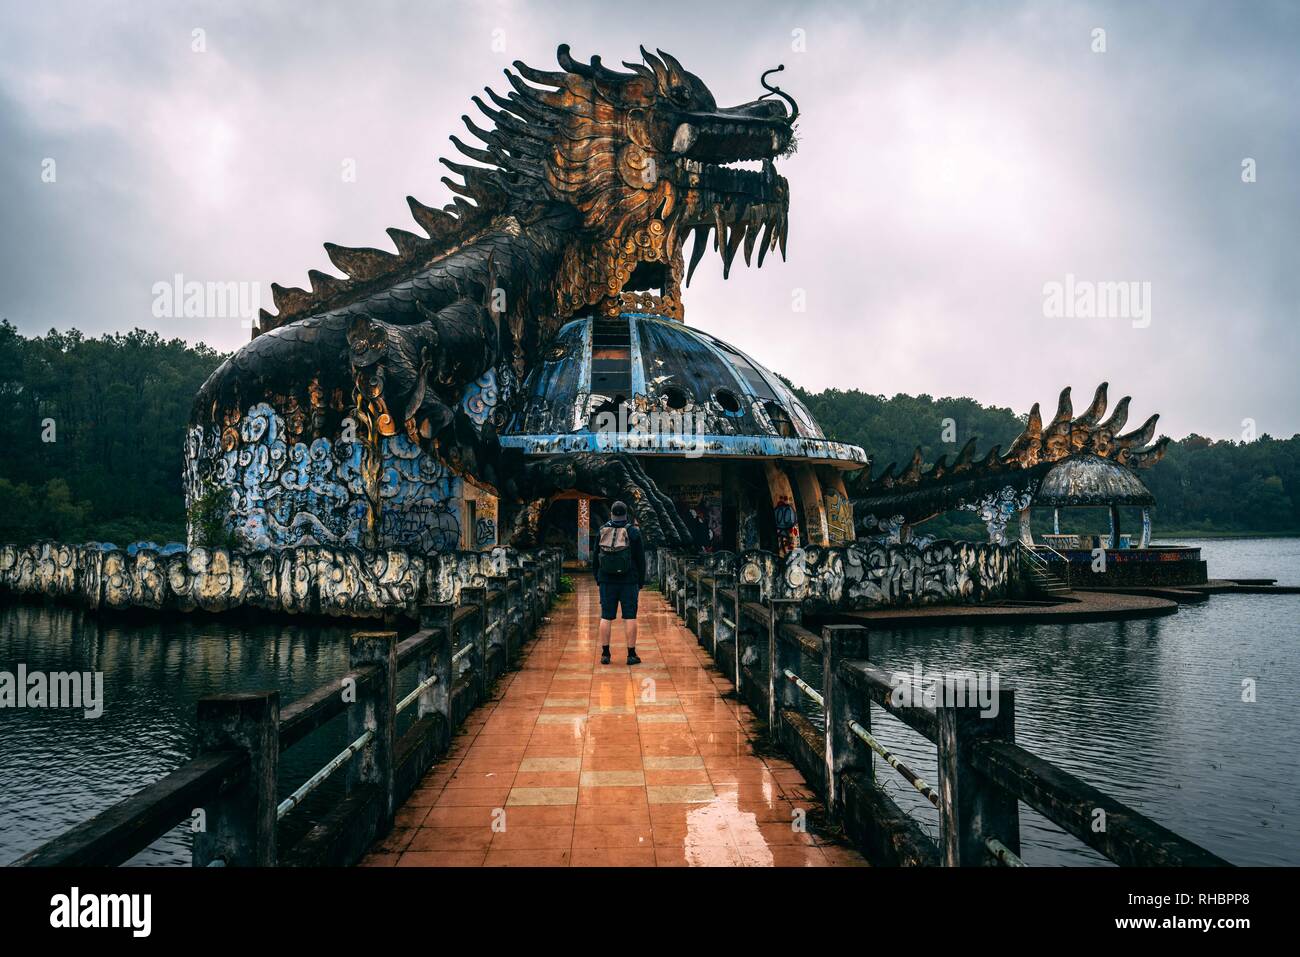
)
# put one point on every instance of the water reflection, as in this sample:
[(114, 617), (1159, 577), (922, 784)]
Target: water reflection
[(58, 768), (1152, 712)]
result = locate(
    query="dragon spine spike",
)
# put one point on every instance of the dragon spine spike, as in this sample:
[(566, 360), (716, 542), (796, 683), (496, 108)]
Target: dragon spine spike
[(288, 299), (408, 244), (434, 222), (1145, 458), (965, 456), (1092, 415), (1118, 417), (1139, 436), (1064, 412), (362, 263), (324, 285)]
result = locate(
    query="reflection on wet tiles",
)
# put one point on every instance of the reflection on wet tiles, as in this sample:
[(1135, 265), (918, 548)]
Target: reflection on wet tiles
[(673, 763), (659, 770), (680, 794), (606, 779), (529, 796)]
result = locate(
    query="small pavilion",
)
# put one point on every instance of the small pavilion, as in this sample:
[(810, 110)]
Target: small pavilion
[(1090, 481)]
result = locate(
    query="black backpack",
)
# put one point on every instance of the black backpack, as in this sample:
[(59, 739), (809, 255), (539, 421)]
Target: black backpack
[(615, 550)]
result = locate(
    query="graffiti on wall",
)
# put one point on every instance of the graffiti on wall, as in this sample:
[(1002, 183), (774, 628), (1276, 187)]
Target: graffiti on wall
[(584, 529), (864, 575), (839, 516), (482, 398), (787, 525), (285, 493), (996, 509)]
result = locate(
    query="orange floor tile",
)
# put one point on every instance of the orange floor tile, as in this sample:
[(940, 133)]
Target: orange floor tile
[(574, 763)]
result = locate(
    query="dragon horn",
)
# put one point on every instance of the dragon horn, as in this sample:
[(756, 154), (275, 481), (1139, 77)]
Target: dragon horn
[(656, 64), (671, 61)]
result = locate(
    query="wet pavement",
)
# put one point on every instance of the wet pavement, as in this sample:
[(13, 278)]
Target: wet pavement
[(574, 763)]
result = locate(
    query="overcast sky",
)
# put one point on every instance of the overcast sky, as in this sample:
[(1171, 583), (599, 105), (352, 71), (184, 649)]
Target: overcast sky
[(953, 160)]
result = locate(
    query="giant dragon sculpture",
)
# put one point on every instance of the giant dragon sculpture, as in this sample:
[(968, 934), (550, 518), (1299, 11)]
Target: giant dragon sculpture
[(998, 485), (588, 184)]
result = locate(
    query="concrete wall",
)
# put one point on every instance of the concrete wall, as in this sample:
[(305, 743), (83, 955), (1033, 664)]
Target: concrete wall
[(343, 582)]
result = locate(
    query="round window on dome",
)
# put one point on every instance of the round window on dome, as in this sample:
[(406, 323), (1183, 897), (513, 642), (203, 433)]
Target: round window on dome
[(675, 397), (729, 401)]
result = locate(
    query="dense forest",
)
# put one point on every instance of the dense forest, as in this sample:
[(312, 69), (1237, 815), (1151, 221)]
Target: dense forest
[(92, 431)]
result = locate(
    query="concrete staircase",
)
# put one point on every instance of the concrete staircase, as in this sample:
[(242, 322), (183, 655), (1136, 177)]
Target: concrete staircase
[(1039, 577)]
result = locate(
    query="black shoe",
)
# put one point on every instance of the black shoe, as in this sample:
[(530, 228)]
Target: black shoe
[(604, 656), (632, 659)]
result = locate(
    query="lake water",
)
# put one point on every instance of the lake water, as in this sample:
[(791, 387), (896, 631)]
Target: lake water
[(1149, 711)]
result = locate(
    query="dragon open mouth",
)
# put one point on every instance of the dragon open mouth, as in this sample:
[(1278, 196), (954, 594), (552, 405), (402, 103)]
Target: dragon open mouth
[(742, 206), (743, 209)]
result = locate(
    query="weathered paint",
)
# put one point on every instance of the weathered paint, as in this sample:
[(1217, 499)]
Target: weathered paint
[(668, 360)]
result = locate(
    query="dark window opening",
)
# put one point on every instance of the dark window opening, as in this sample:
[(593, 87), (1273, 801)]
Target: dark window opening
[(727, 399), (675, 397), (647, 277), (780, 419)]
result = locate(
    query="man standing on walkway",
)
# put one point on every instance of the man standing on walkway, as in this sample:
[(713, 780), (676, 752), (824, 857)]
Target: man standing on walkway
[(619, 564)]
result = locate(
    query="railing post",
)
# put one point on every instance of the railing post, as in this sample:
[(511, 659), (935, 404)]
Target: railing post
[(845, 751), (683, 586), (720, 584), (438, 699), (477, 628), (515, 603), (744, 595), (239, 825), (375, 711), (781, 654), (530, 596), (497, 622), (972, 809)]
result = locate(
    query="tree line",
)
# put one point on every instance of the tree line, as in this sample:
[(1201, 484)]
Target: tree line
[(92, 432)]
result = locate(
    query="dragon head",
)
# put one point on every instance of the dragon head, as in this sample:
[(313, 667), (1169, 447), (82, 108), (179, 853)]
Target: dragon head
[(645, 157)]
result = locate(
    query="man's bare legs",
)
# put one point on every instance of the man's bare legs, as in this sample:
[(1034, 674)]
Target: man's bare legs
[(606, 626)]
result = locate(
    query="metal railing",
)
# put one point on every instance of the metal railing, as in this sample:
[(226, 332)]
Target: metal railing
[(1029, 554), (983, 775), (227, 792)]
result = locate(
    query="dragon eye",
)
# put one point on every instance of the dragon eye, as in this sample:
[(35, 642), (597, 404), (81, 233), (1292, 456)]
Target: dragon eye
[(679, 94)]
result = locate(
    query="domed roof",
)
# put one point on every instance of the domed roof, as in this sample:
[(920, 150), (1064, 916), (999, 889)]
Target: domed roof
[(1091, 480), (649, 385)]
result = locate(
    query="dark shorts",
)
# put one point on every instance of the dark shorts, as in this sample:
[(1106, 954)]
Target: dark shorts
[(616, 594)]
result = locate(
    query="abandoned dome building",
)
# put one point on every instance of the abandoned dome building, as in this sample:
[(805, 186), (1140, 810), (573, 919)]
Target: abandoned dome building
[(725, 439)]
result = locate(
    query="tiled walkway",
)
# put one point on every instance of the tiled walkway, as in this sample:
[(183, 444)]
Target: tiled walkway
[(575, 763)]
